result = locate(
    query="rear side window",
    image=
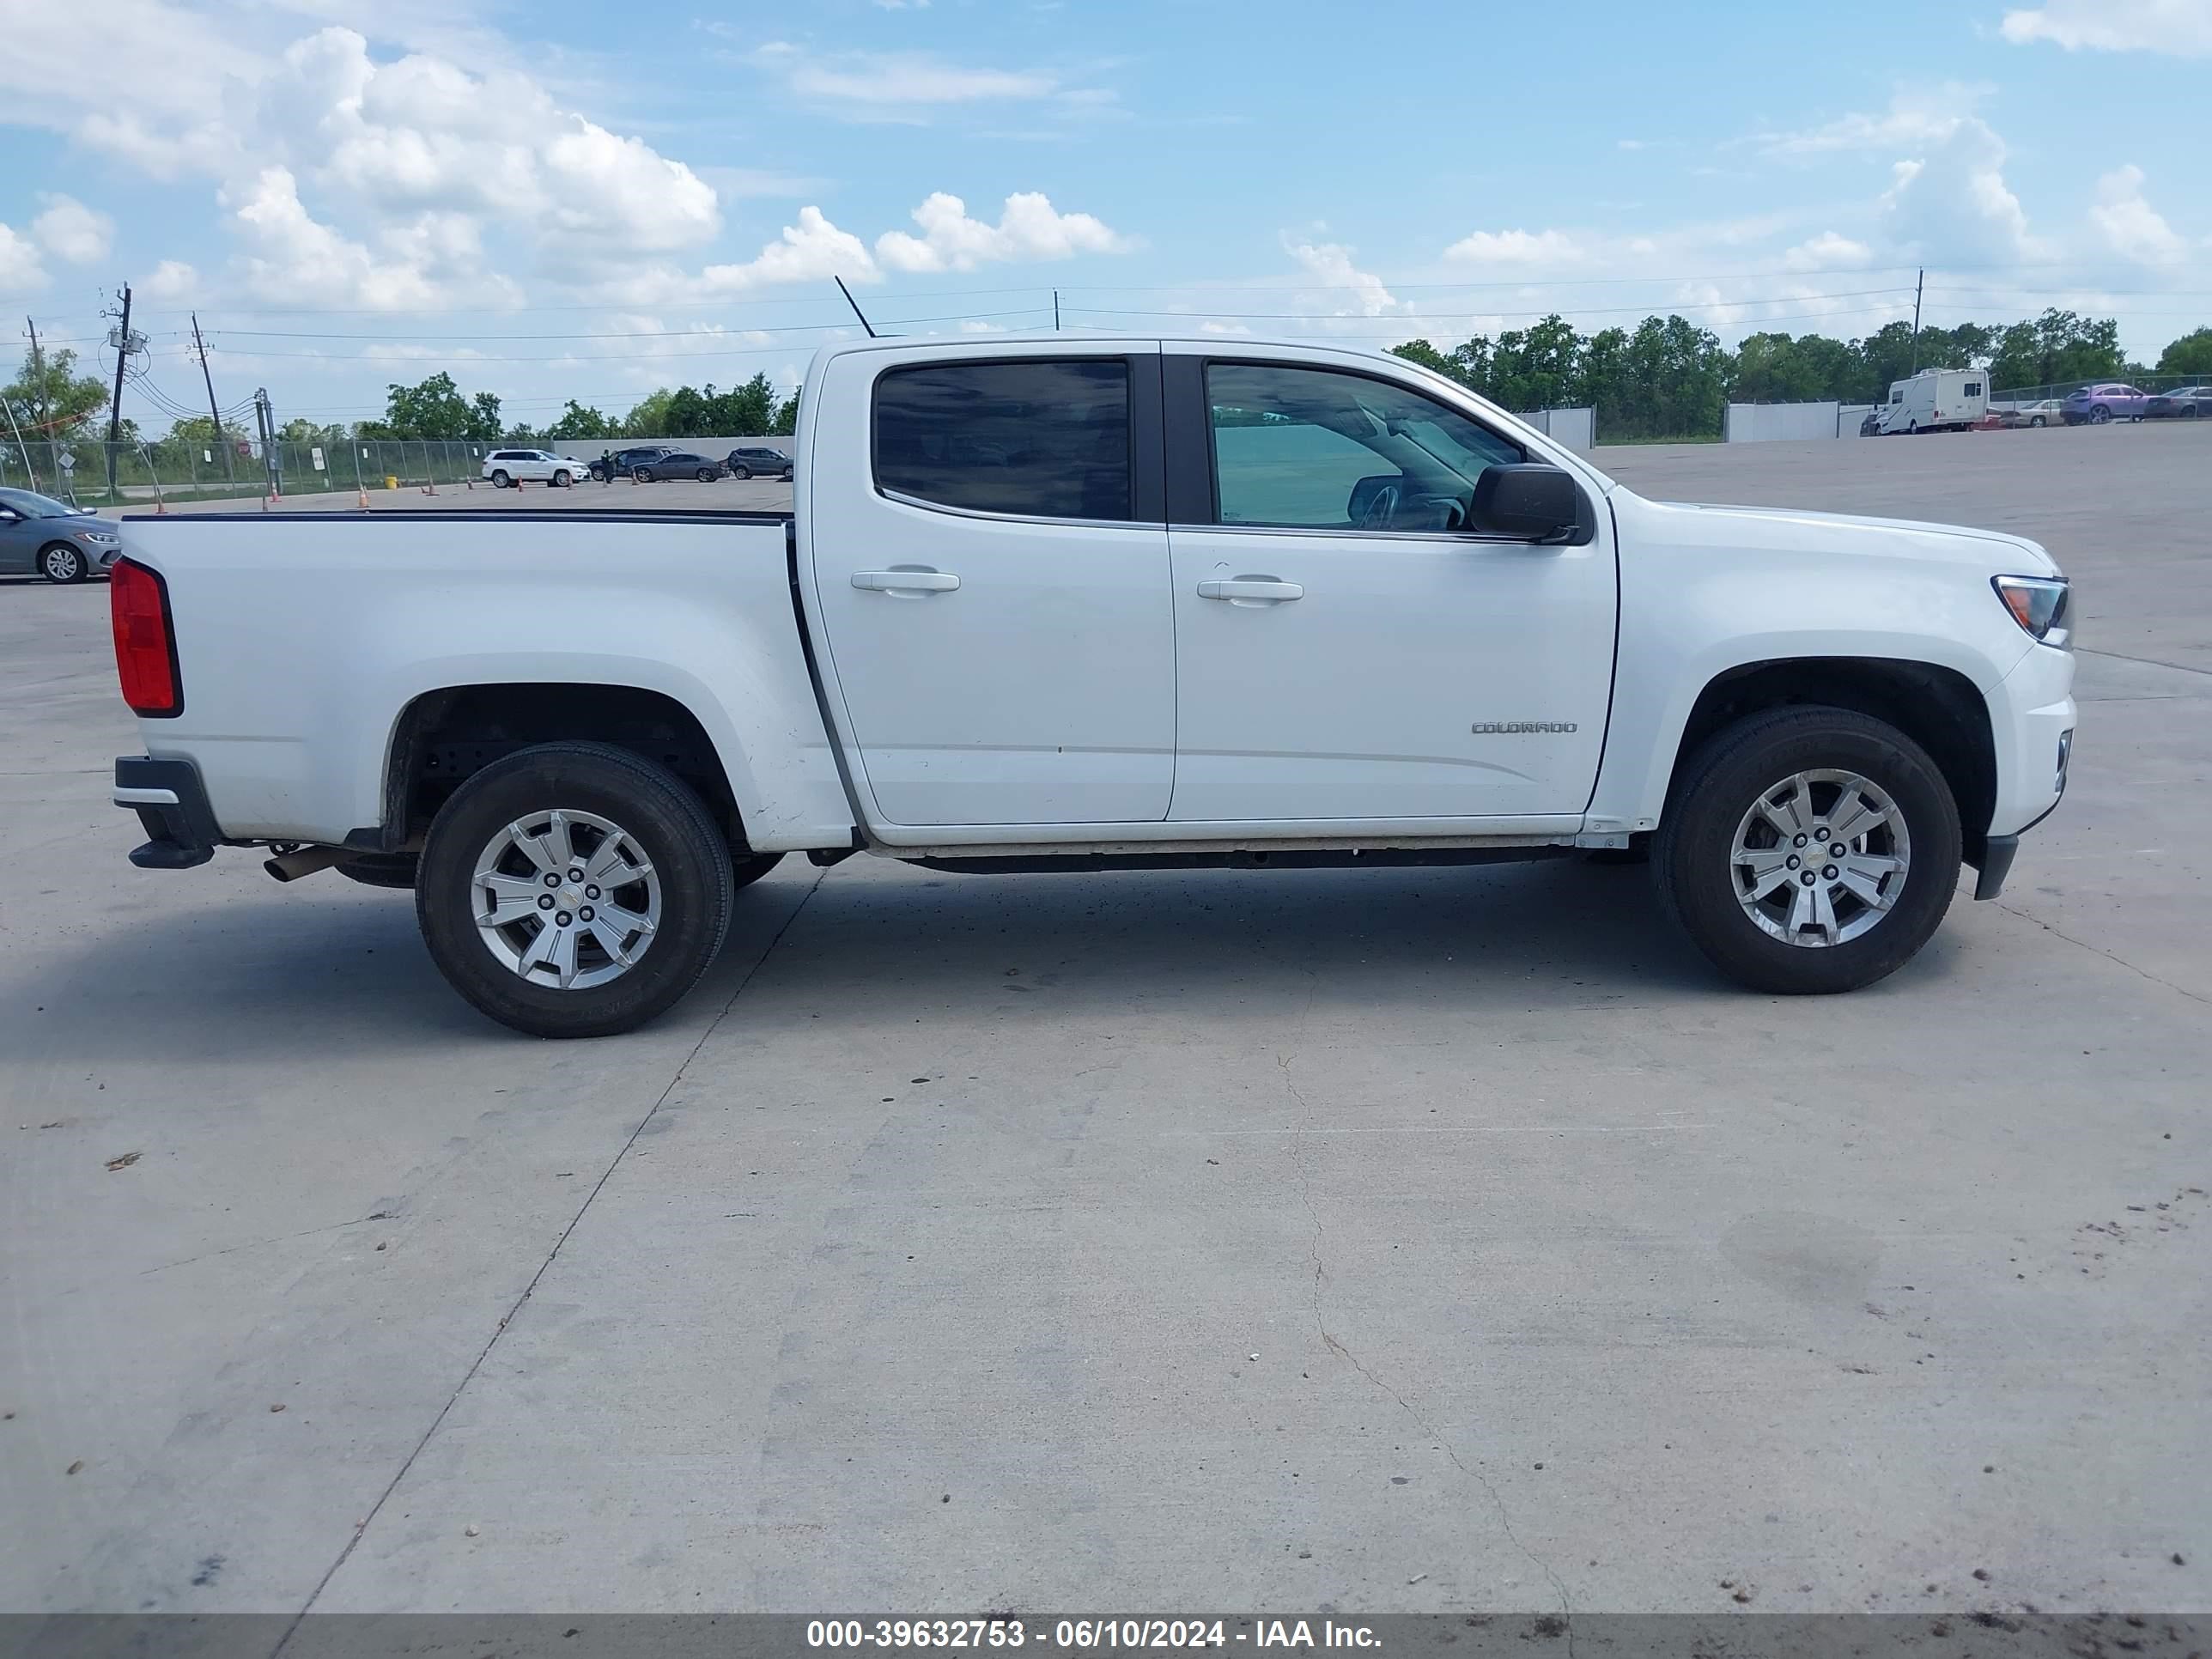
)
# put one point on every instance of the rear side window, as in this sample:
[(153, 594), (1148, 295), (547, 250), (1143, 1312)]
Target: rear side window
[(1043, 438)]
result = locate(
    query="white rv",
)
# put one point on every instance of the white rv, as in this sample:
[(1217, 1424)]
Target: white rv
[(1937, 400)]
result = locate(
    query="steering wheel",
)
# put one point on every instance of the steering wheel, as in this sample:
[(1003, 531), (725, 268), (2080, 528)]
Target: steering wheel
[(1382, 509)]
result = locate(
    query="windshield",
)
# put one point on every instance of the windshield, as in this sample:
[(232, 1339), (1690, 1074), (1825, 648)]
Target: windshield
[(32, 505)]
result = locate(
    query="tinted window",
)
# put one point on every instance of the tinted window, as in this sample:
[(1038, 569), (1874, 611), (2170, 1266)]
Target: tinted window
[(1317, 449), (1042, 439)]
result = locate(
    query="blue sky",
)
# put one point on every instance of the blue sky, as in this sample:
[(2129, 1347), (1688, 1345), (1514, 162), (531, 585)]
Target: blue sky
[(569, 200)]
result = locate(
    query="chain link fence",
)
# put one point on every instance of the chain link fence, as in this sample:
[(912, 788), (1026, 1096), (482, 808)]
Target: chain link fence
[(150, 475), (2152, 384)]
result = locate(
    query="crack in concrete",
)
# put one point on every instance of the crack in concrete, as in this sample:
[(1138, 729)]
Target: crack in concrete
[(2099, 949), (1330, 1341), (362, 1527)]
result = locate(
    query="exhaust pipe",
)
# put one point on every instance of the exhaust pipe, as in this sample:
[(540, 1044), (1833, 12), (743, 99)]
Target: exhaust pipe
[(302, 861)]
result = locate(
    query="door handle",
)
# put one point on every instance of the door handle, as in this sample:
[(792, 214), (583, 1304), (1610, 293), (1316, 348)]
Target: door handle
[(1263, 590), (905, 582)]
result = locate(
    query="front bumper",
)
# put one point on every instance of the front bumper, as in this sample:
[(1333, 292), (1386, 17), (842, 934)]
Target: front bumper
[(171, 805)]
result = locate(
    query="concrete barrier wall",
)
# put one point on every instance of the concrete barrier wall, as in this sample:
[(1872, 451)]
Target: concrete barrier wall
[(1577, 428), (1751, 423)]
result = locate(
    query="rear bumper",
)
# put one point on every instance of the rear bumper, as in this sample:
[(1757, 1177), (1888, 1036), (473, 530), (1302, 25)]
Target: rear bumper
[(172, 805)]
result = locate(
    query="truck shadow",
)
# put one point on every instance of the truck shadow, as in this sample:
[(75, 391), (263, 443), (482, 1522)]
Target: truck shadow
[(346, 973)]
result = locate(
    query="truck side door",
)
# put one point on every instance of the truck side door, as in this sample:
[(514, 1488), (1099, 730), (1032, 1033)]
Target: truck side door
[(1345, 649), (988, 554)]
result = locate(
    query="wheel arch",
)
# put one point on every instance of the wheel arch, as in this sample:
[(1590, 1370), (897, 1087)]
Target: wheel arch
[(1938, 707), (443, 736)]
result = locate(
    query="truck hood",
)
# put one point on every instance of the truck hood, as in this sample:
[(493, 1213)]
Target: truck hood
[(1798, 532)]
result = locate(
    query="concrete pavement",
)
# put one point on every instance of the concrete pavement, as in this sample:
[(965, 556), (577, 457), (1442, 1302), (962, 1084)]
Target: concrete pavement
[(1389, 1240)]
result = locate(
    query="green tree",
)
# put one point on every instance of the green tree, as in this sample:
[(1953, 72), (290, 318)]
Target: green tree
[(434, 409), (577, 423), (483, 424), (787, 418), (649, 419), (49, 398), (2190, 355), (200, 429), (300, 430), (2058, 346)]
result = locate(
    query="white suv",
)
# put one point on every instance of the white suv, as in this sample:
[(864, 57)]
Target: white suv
[(519, 466)]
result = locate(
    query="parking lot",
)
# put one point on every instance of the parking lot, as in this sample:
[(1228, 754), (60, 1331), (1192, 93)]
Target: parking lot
[(1381, 1241)]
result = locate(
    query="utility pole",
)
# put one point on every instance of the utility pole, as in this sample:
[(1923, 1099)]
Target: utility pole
[(1916, 287), (38, 382), (264, 418), (207, 379), (122, 337)]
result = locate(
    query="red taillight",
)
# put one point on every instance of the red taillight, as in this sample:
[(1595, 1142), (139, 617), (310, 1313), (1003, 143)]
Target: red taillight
[(145, 653)]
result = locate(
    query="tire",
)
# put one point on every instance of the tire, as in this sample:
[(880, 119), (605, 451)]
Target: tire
[(2036, 420), (62, 563), (741, 472), (787, 475), (661, 826), (640, 475), (1695, 871), (2100, 415), (706, 475), (744, 871), (499, 480), (563, 479), (394, 870)]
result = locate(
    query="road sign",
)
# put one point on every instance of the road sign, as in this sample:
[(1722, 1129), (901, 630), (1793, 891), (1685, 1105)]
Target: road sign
[(66, 460)]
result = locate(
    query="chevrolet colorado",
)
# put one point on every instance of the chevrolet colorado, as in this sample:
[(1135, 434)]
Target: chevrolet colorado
[(1085, 604)]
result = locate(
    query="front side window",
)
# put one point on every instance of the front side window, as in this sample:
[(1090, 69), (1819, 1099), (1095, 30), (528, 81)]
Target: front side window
[(1044, 438), (1317, 449)]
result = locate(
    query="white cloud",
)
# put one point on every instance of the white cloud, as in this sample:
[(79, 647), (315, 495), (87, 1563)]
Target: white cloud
[(173, 282), (290, 255), (1529, 250), (1331, 265), (1914, 116), (2132, 228), (1952, 204), (20, 265), (69, 230), (1827, 251), (895, 81), (2182, 27), (1029, 229)]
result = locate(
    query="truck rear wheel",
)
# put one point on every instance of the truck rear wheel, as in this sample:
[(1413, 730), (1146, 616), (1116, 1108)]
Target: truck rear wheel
[(1808, 850), (574, 890)]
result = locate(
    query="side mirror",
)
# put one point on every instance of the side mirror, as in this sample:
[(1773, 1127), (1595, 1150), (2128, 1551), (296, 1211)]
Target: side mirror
[(1532, 501), (9, 515)]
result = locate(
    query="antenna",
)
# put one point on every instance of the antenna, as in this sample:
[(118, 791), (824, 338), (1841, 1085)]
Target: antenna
[(855, 304)]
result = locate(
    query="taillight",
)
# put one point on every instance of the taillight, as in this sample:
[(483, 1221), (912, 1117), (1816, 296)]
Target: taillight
[(145, 651)]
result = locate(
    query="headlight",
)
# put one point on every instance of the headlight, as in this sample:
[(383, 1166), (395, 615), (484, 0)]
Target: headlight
[(99, 539), (2041, 604)]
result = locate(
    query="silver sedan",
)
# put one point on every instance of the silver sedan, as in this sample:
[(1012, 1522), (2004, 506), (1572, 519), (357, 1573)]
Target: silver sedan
[(41, 536)]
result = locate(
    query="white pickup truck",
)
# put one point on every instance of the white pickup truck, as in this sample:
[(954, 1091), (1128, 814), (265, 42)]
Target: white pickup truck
[(1078, 604)]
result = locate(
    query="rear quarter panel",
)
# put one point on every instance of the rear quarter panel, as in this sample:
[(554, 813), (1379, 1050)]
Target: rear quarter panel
[(301, 640)]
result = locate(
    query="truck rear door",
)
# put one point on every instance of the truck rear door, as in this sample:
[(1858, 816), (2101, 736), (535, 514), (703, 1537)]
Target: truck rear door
[(987, 540)]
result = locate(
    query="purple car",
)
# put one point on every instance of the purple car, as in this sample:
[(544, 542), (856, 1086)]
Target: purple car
[(2093, 405)]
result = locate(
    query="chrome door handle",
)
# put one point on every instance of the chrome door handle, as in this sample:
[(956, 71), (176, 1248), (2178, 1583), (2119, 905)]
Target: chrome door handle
[(905, 582), (1250, 588)]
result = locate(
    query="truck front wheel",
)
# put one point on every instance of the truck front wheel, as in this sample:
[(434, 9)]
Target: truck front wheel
[(574, 890), (1808, 850)]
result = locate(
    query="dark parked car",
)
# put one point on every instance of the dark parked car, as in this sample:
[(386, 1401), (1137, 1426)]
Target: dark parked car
[(759, 462), (62, 543), (2093, 405), (677, 464), (2183, 403), (626, 460)]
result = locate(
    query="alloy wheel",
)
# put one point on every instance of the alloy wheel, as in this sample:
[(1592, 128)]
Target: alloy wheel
[(1820, 858), (566, 900)]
